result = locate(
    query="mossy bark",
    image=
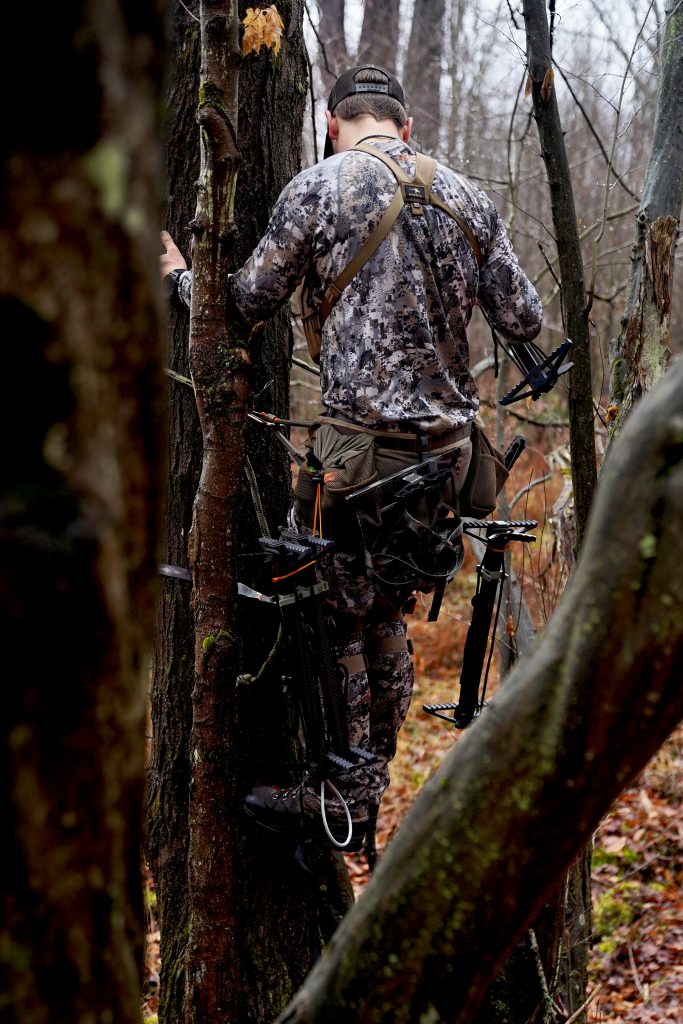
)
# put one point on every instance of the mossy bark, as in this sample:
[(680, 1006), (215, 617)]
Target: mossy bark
[(493, 832), (79, 501)]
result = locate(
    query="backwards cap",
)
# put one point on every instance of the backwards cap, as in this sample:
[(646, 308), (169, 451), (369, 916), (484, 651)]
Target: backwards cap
[(346, 85)]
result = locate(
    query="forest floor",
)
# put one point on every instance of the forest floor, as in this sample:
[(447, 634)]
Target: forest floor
[(636, 965)]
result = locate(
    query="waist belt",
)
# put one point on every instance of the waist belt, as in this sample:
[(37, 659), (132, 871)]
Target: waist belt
[(399, 441)]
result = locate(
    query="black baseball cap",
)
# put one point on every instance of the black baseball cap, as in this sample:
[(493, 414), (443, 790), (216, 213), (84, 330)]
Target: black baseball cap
[(346, 85)]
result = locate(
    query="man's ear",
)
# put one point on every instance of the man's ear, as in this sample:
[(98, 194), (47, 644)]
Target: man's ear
[(405, 131), (332, 126)]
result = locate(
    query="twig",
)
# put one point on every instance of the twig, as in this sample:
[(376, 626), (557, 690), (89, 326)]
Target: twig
[(512, 14), (179, 378), (307, 385), (592, 130), (554, 424), (320, 42), (584, 1006), (312, 91), (305, 366), (188, 10), (634, 969), (529, 487), (551, 1010), (487, 363)]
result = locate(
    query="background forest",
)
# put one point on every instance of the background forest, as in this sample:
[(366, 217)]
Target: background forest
[(140, 709)]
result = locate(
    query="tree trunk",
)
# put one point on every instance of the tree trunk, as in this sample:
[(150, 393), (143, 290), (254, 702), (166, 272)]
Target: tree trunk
[(640, 354), (80, 307), (575, 317), (547, 115), (422, 76), (173, 675), (233, 900), (222, 394), (379, 35), (493, 832), (332, 37)]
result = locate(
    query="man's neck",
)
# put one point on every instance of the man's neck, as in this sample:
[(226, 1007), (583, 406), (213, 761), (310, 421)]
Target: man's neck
[(365, 128)]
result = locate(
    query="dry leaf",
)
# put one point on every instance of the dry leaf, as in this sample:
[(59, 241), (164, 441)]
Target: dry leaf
[(613, 844), (527, 87), (263, 26), (547, 87)]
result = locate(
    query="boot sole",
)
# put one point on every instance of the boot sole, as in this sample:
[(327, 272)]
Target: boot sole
[(355, 844)]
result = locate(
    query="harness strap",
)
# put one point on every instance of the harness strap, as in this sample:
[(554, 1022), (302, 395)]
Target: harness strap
[(416, 193), (353, 663), (367, 249), (391, 644), (425, 171)]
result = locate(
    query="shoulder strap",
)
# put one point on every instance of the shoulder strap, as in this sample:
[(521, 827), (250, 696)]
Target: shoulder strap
[(366, 250), (425, 169), (412, 191)]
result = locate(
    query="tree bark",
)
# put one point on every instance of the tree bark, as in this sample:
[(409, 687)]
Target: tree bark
[(80, 306), (173, 671), (379, 35), (494, 831), (640, 354), (547, 115), (422, 76), (332, 37), (222, 394)]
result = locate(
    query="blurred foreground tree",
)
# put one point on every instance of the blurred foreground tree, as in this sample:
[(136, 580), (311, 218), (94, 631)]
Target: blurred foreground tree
[(80, 305)]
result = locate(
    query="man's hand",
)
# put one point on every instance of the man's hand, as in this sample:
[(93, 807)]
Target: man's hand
[(172, 259)]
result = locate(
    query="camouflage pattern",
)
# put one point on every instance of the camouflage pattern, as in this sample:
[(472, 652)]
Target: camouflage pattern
[(377, 702), (394, 357), (391, 676), (394, 350)]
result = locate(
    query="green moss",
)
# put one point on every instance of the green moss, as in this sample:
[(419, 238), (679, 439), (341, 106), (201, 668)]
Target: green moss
[(625, 857), (647, 546), (107, 167), (211, 96), (207, 643), (615, 908)]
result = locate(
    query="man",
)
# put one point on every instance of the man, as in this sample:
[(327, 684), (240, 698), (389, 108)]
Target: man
[(394, 367)]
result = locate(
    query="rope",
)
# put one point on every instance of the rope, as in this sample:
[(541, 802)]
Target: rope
[(246, 678), (256, 498)]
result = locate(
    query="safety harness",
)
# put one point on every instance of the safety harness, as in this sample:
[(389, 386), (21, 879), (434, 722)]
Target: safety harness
[(415, 193)]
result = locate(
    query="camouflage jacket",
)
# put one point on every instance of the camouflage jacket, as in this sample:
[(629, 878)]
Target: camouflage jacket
[(394, 348)]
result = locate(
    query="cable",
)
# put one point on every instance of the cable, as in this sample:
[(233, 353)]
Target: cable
[(340, 846)]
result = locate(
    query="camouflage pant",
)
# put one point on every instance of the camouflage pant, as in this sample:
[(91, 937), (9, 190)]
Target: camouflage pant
[(377, 671)]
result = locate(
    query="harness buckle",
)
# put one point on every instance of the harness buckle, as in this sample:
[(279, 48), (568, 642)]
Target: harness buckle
[(415, 197)]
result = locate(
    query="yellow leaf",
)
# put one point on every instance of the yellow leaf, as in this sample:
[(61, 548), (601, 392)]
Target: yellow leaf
[(263, 26)]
